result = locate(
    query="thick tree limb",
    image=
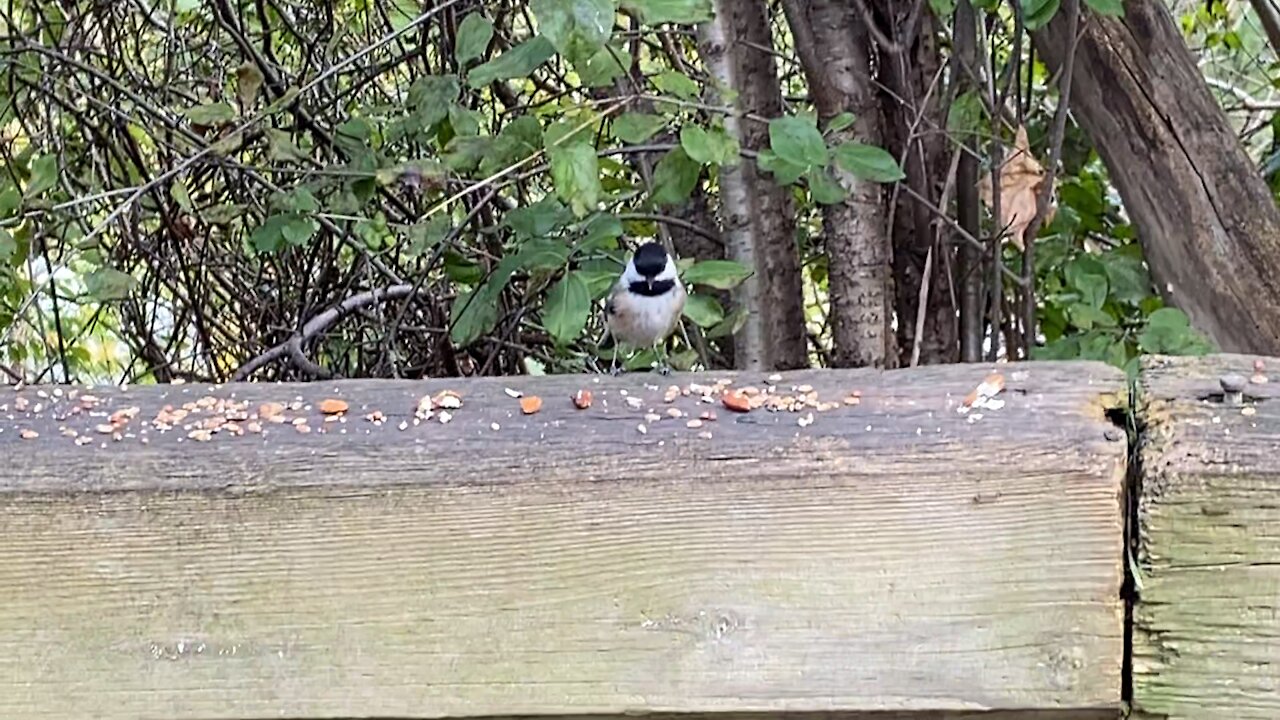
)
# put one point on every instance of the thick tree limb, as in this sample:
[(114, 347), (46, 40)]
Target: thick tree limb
[(758, 220), (834, 49), (1207, 222)]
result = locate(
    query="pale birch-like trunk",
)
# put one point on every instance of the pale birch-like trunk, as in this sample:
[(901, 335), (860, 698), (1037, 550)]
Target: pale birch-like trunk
[(757, 215)]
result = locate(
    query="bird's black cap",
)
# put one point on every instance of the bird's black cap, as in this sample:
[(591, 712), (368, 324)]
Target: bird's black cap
[(650, 259)]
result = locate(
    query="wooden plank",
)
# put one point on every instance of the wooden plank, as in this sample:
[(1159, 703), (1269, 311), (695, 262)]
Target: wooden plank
[(1206, 636), (893, 555)]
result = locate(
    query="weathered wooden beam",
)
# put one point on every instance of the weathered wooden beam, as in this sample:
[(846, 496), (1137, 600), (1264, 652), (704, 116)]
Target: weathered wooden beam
[(893, 555), (1206, 627)]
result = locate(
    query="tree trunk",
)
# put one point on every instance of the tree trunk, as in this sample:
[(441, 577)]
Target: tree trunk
[(912, 107), (1207, 222), (834, 49), (757, 214)]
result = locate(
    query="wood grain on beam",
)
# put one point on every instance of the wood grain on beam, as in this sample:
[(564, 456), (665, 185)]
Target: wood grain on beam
[(893, 555), (1206, 637)]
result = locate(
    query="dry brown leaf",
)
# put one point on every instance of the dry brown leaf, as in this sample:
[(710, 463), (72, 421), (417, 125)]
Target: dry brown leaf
[(530, 404), (333, 406), (1021, 177), (582, 399)]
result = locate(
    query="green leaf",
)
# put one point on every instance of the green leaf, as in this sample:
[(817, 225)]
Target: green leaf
[(1086, 317), (966, 114), (575, 172), (474, 34), (1169, 332), (106, 283), (8, 246), (635, 128), (471, 316), (1114, 8), (686, 12), (283, 229), (718, 274), (299, 200), (600, 281), (281, 148), (476, 313), (353, 136), (1065, 348), (518, 62), (824, 188), (796, 139), (784, 173), (464, 153), (10, 202), (521, 138), (1088, 277), (565, 22), (178, 191), (283, 102), (1100, 345), (403, 12), (703, 310), (1037, 13), (710, 147), (600, 229), (674, 178), (539, 219), (222, 214), (730, 325), (269, 236), (543, 254), (298, 230), (44, 175), (840, 122), (606, 65), (568, 305), (431, 96), (677, 84), (464, 121), (210, 113), (1130, 282), (942, 9), (868, 162), (426, 235)]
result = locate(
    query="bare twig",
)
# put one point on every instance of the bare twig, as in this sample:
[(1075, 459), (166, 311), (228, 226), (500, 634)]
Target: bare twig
[(319, 324), (1072, 10), (926, 278)]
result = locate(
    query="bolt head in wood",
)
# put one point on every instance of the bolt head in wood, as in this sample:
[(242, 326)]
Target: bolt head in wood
[(1232, 383)]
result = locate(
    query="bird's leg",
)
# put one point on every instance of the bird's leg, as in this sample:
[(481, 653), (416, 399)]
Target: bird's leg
[(613, 367), (660, 349)]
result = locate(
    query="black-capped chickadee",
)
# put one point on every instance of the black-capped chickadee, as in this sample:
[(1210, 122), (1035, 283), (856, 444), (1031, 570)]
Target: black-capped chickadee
[(645, 304)]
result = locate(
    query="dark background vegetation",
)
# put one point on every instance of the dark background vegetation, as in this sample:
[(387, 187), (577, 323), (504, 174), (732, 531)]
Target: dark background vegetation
[(398, 188)]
